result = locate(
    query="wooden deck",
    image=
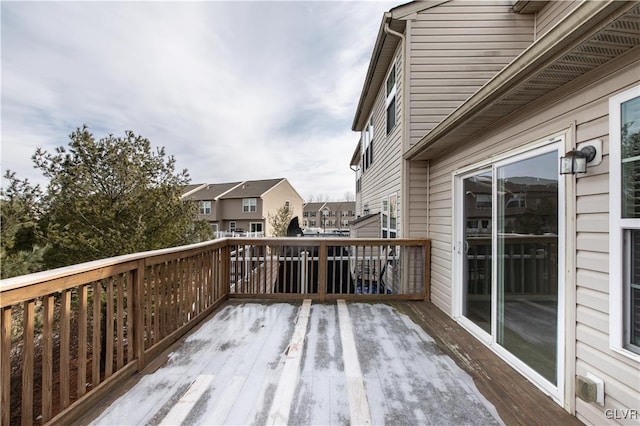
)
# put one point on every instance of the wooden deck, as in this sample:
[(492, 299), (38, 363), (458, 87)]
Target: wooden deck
[(517, 401), (316, 387)]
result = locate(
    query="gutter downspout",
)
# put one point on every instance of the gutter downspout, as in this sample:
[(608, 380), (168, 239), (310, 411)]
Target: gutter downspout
[(404, 198)]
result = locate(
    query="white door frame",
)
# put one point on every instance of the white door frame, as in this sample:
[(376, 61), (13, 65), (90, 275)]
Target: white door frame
[(556, 391)]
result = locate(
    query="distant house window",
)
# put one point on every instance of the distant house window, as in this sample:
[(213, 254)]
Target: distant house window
[(518, 201), (232, 226), (312, 223), (256, 227), (214, 227), (205, 207), (391, 100), (249, 205), (305, 214), (483, 201), (624, 225), (287, 205), (313, 214)]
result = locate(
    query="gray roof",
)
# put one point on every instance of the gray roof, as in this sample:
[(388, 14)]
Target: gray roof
[(252, 188), (211, 191)]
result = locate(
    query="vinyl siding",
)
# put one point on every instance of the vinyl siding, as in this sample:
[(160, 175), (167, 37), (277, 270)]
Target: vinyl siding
[(553, 13), (383, 177), (417, 200), (456, 48), (585, 102)]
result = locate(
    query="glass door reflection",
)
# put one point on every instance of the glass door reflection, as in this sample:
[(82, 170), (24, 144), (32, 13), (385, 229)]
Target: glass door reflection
[(477, 253)]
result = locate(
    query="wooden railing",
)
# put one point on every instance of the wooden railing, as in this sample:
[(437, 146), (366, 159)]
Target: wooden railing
[(71, 335)]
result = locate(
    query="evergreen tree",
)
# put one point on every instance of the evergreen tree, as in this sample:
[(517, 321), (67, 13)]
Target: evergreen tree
[(111, 197)]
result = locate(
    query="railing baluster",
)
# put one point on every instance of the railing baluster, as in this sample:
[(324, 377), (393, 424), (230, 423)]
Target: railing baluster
[(141, 276), (131, 276), (97, 334), (109, 331), (27, 363), (47, 357), (82, 340), (120, 321), (5, 364), (65, 343)]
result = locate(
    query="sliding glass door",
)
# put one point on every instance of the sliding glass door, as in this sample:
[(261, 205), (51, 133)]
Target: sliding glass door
[(508, 227), (477, 258)]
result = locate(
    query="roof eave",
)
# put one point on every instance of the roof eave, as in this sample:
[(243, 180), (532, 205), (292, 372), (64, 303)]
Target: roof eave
[(586, 20)]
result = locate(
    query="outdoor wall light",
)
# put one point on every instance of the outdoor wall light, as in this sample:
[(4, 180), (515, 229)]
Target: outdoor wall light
[(575, 161)]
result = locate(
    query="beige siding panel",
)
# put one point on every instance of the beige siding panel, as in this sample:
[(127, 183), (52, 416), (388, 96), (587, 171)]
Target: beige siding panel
[(593, 319), (551, 14), (589, 241), (594, 280), (593, 203), (594, 350), (593, 261), (456, 48), (418, 198), (594, 222), (592, 298), (590, 185), (593, 129)]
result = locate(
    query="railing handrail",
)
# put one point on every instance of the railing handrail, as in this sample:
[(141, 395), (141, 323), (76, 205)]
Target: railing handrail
[(65, 271)]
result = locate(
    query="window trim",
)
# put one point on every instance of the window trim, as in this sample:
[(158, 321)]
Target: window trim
[(617, 227), (248, 206), (203, 209)]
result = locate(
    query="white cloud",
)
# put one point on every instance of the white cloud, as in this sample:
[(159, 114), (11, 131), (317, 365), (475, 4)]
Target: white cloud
[(234, 90)]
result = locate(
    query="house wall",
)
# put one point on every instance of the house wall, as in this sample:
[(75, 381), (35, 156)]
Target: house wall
[(384, 176), (456, 47), (231, 210), (551, 14), (275, 199), (583, 102), (417, 199), (368, 228)]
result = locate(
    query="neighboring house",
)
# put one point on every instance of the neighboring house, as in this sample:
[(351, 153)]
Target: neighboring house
[(243, 207), (465, 113), (330, 216)]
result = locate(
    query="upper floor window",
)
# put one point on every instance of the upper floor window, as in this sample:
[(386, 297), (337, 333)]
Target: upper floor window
[(367, 145), (624, 199), (390, 103), (205, 207), (287, 205), (249, 205)]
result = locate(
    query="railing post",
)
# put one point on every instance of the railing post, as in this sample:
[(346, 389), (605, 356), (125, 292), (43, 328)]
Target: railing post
[(138, 313), (322, 271), (427, 271)]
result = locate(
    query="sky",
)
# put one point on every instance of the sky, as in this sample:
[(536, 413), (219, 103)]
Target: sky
[(233, 90)]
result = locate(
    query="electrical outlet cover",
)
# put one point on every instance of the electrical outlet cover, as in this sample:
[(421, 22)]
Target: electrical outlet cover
[(599, 388)]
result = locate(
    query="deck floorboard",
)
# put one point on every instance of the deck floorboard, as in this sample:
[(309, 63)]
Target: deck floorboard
[(517, 400), (418, 367)]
